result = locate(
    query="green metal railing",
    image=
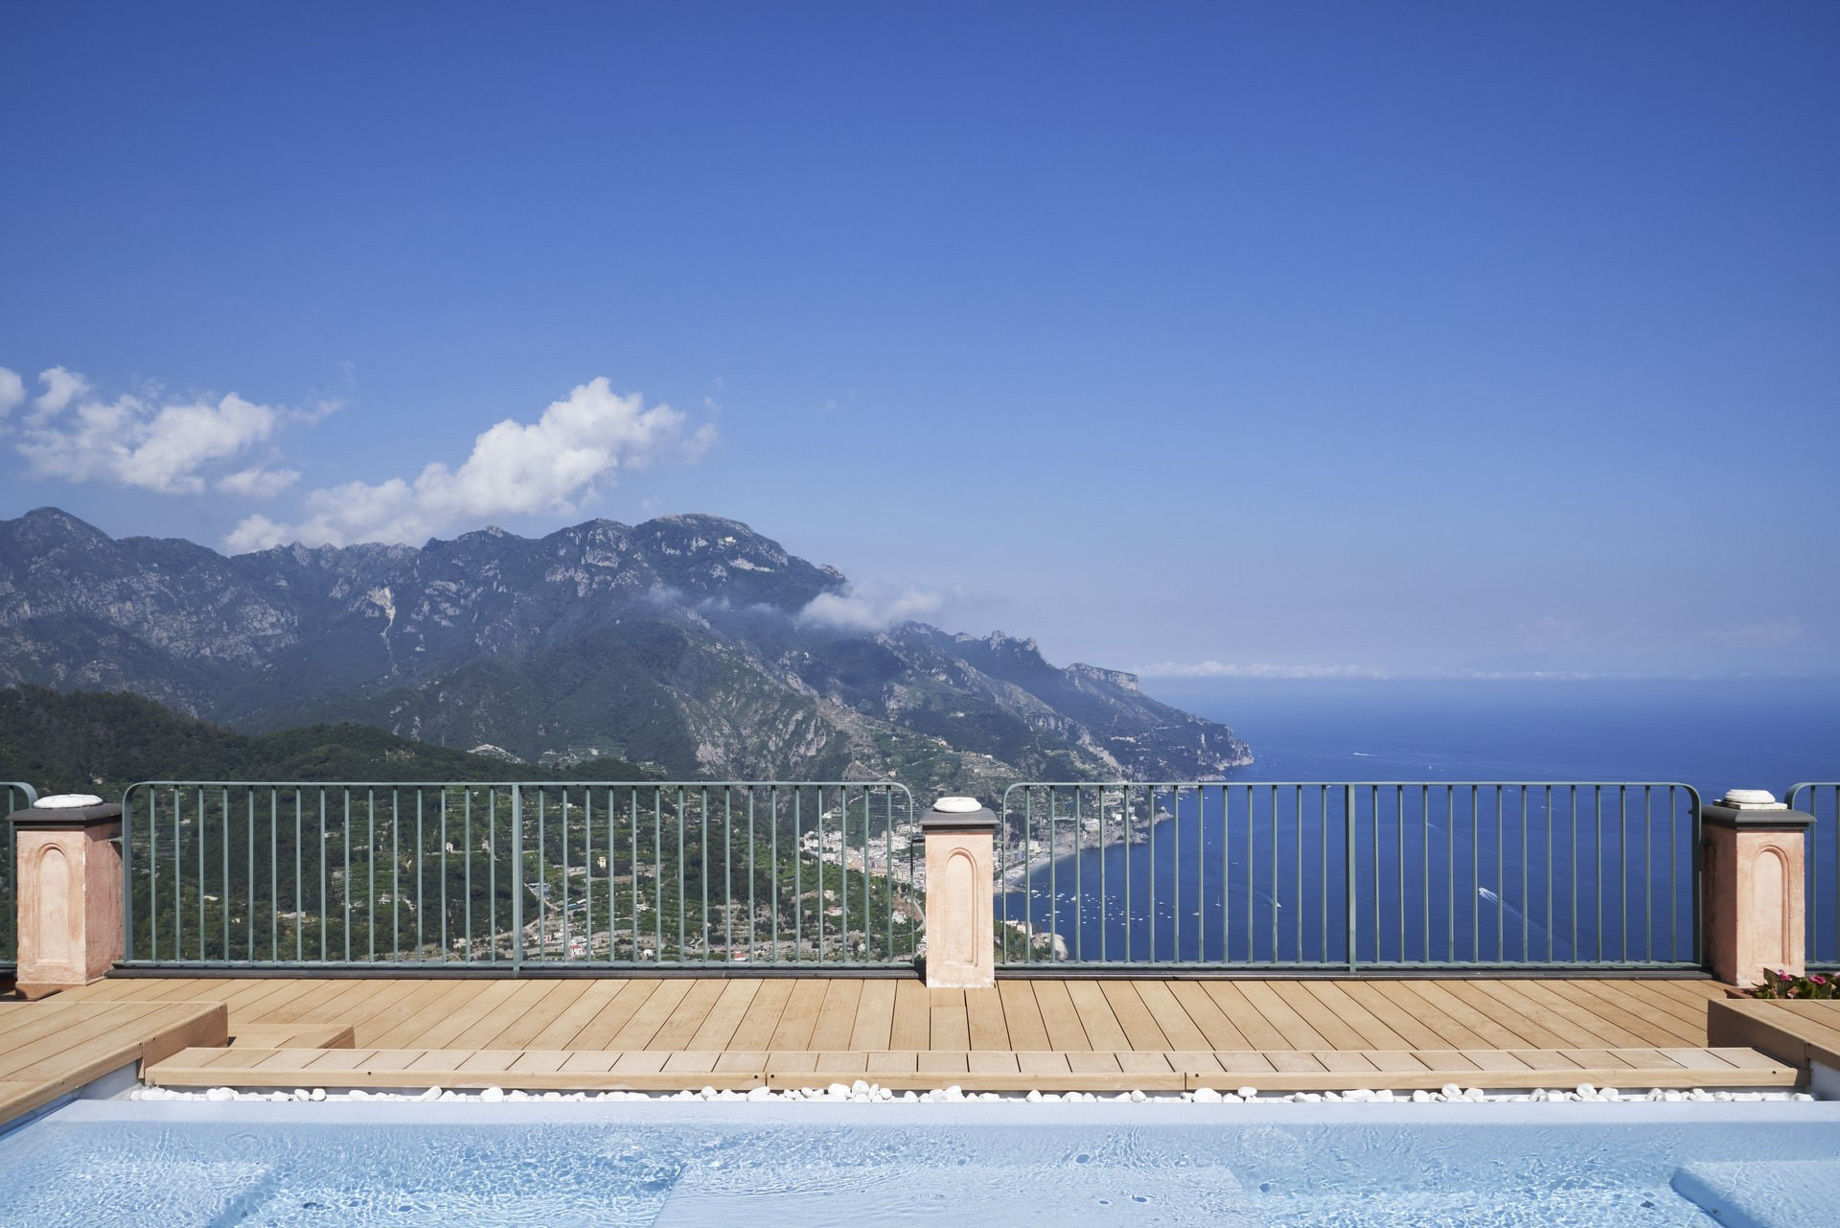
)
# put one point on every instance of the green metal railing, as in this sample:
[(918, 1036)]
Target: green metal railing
[(17, 796), (1821, 856), (516, 874), (1350, 875)]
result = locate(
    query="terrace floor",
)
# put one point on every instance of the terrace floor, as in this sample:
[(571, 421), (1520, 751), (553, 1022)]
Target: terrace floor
[(666, 1033)]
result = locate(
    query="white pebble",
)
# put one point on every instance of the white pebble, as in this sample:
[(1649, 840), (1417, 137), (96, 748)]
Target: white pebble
[(1207, 1095), (1248, 1093), (492, 1095)]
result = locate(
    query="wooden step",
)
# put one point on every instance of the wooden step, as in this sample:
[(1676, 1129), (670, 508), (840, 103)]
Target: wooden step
[(292, 1036), (972, 1070)]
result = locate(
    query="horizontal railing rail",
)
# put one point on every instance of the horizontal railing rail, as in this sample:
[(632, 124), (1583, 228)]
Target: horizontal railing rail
[(14, 795), (1821, 858), (518, 874), (1350, 875)]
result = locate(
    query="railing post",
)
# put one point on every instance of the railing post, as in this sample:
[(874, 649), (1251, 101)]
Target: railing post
[(1753, 889), (960, 928), (69, 881), (517, 881)]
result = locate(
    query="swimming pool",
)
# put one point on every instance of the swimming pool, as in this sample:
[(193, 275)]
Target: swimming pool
[(96, 1163)]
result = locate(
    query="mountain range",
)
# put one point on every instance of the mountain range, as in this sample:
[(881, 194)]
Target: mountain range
[(686, 644)]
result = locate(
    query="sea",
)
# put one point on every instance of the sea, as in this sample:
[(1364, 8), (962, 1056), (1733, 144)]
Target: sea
[(1438, 872)]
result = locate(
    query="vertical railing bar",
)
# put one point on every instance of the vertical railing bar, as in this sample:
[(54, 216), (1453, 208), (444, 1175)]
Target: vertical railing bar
[(198, 826), (1226, 873), (1399, 836), (1424, 850), (223, 805), (1353, 876), (773, 866), (728, 875), (370, 872), (492, 873), (1450, 880), (419, 908), (517, 878), (1475, 875), (1526, 891), (300, 894), (683, 898), (1622, 869), (1501, 886), (441, 864), (345, 879), (1597, 839), (249, 844), (563, 908)]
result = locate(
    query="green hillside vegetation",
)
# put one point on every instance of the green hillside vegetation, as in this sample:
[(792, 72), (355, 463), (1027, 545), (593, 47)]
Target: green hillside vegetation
[(90, 741)]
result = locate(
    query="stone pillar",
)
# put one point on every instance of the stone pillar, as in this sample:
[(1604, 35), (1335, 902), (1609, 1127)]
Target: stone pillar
[(960, 925), (1752, 885), (69, 882)]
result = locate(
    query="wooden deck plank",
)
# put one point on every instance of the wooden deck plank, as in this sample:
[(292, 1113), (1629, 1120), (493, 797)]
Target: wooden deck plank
[(440, 1033), (837, 1015), (799, 1018), (755, 1031), (1135, 1018), (1406, 1015), (950, 1023), (1264, 997), (1246, 1018), (1374, 1032), (1103, 1029), (984, 1015), (725, 1016), (1639, 1014), (1490, 1030), (651, 1015), (688, 1015), (1058, 1016), (912, 1025), (873, 1027), (1206, 1015), (1179, 1030), (1336, 1031), (1599, 1028), (567, 1028), (526, 1018), (1022, 1016), (1543, 1027)]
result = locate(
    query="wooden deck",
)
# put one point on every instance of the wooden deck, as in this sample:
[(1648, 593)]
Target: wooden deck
[(1049, 1034), (1796, 1033), (52, 1047)]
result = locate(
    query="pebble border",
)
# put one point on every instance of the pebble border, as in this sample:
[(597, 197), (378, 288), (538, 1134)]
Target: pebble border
[(861, 1092)]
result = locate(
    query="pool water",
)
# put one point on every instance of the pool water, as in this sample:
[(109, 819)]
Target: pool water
[(96, 1163)]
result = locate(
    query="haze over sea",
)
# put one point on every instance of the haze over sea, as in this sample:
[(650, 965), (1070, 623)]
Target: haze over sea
[(1712, 734)]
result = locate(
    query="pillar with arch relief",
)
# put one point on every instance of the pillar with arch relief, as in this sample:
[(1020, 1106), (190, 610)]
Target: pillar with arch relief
[(1752, 886), (68, 866), (960, 921)]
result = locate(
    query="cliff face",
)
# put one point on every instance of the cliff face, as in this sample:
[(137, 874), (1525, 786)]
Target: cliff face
[(677, 642)]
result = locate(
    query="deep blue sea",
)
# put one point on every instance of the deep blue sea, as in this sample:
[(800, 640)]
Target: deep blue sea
[(1592, 875)]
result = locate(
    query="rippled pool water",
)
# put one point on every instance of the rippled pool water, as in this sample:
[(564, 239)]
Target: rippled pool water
[(98, 1163)]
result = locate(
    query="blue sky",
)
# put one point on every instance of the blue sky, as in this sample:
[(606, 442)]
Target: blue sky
[(1224, 340)]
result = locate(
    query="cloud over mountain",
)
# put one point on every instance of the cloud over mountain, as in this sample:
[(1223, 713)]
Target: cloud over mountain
[(515, 468)]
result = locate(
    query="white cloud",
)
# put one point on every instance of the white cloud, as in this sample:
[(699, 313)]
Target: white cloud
[(515, 468), (856, 611), (12, 391), (61, 388), (258, 483), (167, 446)]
